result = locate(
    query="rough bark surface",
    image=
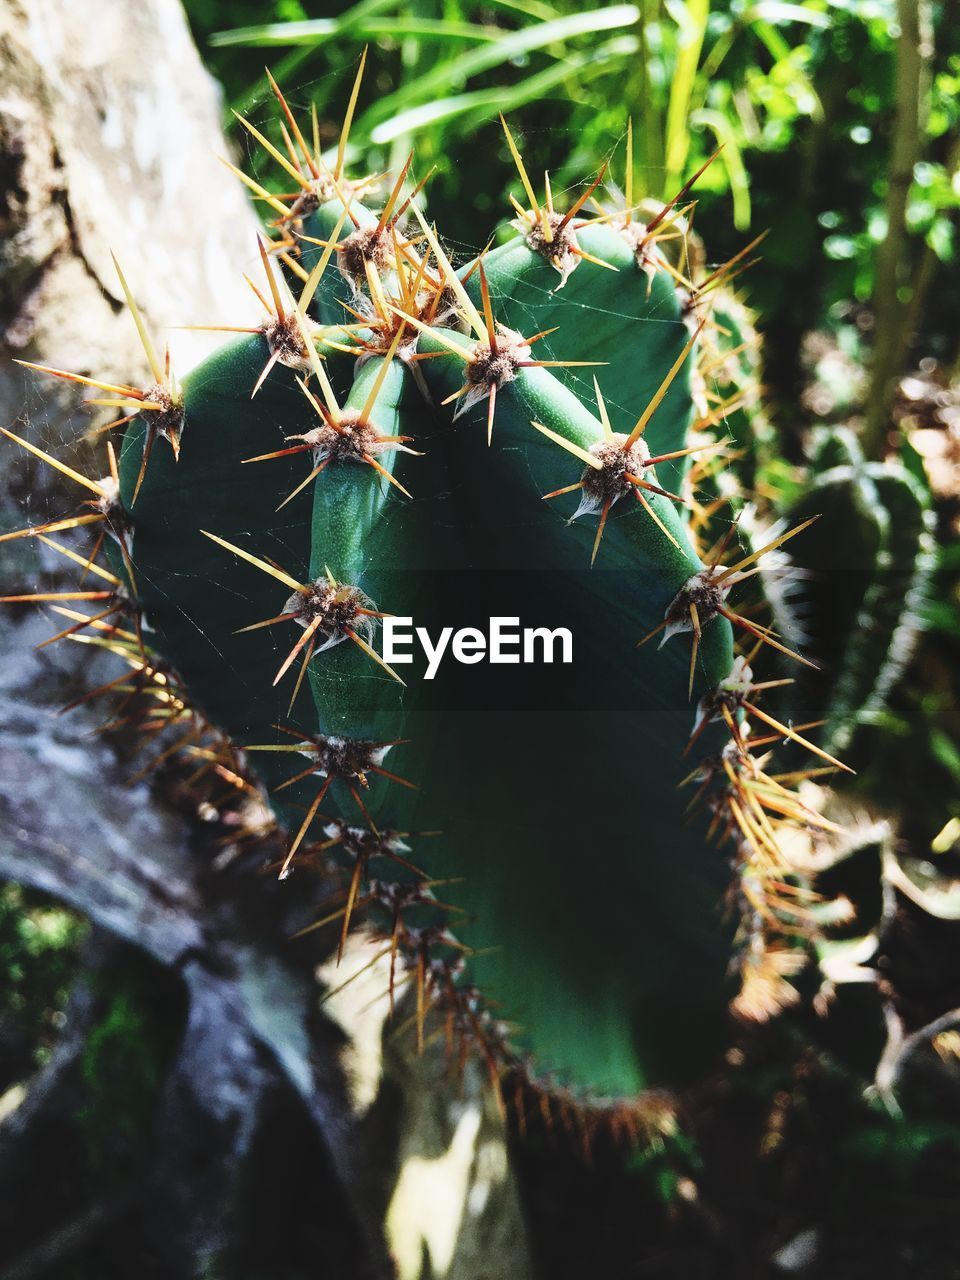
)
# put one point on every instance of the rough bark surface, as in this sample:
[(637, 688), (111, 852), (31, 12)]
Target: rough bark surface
[(108, 132)]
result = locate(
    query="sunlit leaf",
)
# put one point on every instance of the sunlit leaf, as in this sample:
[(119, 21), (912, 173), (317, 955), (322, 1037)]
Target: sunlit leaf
[(318, 30), (732, 161), (778, 11)]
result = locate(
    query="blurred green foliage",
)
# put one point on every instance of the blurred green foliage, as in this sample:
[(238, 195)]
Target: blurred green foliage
[(134, 1032), (801, 95), (125, 1059), (40, 943)]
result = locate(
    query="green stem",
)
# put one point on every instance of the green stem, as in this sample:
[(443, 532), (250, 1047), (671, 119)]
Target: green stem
[(914, 51)]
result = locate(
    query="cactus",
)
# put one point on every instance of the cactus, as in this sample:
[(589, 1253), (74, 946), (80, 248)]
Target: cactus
[(868, 565), (401, 436)]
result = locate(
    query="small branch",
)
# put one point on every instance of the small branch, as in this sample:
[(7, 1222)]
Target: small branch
[(900, 1048), (914, 51)]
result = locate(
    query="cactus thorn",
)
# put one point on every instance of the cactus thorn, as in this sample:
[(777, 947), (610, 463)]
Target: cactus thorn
[(348, 117)]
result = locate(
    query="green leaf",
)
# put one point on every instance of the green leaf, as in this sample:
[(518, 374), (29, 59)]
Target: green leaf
[(317, 30), (732, 161), (692, 21), (778, 11), (592, 63), (454, 72)]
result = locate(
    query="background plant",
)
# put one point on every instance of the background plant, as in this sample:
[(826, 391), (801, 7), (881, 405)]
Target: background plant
[(807, 98)]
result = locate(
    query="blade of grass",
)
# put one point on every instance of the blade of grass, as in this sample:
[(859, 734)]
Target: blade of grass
[(649, 107), (455, 72), (732, 161), (316, 31), (532, 8), (692, 21), (779, 11), (605, 60), (327, 86)]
